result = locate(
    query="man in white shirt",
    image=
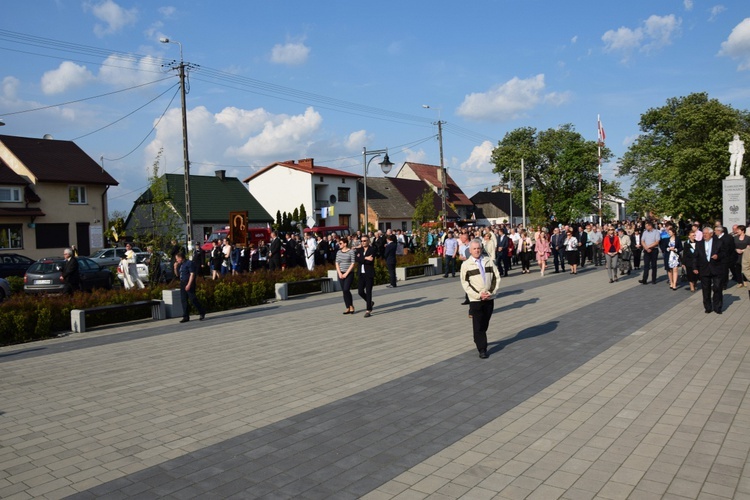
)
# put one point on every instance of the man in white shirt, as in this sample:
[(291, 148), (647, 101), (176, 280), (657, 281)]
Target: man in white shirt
[(311, 245)]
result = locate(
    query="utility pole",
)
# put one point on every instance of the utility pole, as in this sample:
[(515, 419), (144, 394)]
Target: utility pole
[(443, 174), (181, 71), (523, 194)]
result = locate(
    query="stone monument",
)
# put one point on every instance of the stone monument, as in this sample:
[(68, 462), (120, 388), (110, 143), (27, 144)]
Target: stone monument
[(734, 188)]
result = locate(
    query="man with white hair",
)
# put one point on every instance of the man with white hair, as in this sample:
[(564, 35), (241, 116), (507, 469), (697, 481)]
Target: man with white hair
[(70, 275), (708, 263), (480, 280)]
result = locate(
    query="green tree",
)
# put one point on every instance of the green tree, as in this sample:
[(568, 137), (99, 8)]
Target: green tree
[(424, 211), (159, 224), (682, 155), (303, 213), (561, 168), (277, 226)]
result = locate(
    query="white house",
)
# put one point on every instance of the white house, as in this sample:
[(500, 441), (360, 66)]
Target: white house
[(329, 195)]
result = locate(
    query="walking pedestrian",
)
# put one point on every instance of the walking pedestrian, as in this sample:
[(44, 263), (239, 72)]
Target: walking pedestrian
[(345, 265), (188, 285), (365, 258)]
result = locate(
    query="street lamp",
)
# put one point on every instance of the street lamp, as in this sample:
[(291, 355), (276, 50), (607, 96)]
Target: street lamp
[(181, 69), (443, 175), (385, 166)]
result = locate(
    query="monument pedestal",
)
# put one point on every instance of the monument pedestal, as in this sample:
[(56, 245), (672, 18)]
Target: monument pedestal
[(734, 192)]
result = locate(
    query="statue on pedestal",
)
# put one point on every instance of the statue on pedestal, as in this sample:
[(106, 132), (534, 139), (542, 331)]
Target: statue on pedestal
[(736, 151)]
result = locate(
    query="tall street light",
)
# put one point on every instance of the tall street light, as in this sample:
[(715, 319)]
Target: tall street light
[(181, 70), (443, 175), (385, 166)]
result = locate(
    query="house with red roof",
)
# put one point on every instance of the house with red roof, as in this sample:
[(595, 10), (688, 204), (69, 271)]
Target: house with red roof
[(52, 196), (430, 175), (329, 195)]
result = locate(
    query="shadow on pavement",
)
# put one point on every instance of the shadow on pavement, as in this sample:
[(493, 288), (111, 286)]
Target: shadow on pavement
[(517, 305), (528, 333)]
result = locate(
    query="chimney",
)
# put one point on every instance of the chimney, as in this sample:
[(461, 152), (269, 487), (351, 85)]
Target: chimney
[(221, 174), (306, 162)]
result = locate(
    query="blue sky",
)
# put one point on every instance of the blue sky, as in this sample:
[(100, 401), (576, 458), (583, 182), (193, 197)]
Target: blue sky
[(289, 80)]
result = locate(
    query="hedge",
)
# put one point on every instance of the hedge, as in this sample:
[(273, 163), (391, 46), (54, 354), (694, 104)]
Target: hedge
[(25, 318)]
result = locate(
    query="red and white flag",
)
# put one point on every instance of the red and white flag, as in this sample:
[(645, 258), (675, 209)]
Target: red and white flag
[(602, 136)]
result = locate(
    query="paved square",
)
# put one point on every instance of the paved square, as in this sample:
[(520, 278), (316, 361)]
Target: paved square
[(592, 390)]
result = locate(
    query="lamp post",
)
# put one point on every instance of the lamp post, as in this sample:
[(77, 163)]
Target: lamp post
[(385, 166), (181, 70), (443, 174)]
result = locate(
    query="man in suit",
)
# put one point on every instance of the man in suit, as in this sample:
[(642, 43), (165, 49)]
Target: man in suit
[(70, 275), (730, 254), (503, 260), (364, 256), (583, 239), (389, 254), (557, 243), (274, 252), (708, 264)]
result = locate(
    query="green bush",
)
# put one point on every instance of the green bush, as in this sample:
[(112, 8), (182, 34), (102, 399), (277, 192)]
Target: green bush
[(25, 318), (16, 284)]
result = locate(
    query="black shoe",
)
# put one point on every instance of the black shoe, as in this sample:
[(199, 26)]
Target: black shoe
[(653, 282), (184, 320), (465, 303), (611, 281), (454, 275), (708, 311), (483, 355), (367, 314), (445, 276), (643, 282), (616, 280), (718, 312), (390, 286), (203, 316)]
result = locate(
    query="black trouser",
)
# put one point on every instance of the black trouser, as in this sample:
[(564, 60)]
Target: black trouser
[(391, 272), (450, 265), (713, 299), (481, 312), (525, 260), (506, 263), (189, 294), (365, 289), (637, 258), (346, 286), (559, 257), (650, 261)]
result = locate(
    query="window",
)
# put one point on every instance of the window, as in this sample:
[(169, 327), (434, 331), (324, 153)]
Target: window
[(10, 194), (52, 236), (11, 236), (344, 219), (403, 225), (77, 195), (343, 194)]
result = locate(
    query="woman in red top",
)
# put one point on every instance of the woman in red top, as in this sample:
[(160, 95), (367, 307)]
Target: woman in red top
[(611, 246)]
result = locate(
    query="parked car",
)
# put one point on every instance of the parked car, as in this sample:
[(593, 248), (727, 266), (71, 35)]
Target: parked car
[(45, 275), (107, 257), (141, 259), (4, 289), (13, 264)]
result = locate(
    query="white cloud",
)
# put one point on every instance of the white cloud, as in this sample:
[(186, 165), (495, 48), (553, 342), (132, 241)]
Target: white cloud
[(9, 87), (574, 39), (655, 32), (357, 140), (67, 76), (660, 30), (688, 4), (737, 46), (123, 72), (413, 156), (112, 15), (715, 11), (281, 136), (167, 11), (291, 53), (243, 122), (630, 139), (509, 100), (479, 159)]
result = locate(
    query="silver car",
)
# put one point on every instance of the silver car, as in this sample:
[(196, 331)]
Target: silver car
[(107, 257)]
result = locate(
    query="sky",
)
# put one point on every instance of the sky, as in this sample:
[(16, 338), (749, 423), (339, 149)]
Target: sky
[(277, 81)]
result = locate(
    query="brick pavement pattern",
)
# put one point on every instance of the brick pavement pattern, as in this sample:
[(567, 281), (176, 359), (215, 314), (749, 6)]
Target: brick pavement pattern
[(592, 390)]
